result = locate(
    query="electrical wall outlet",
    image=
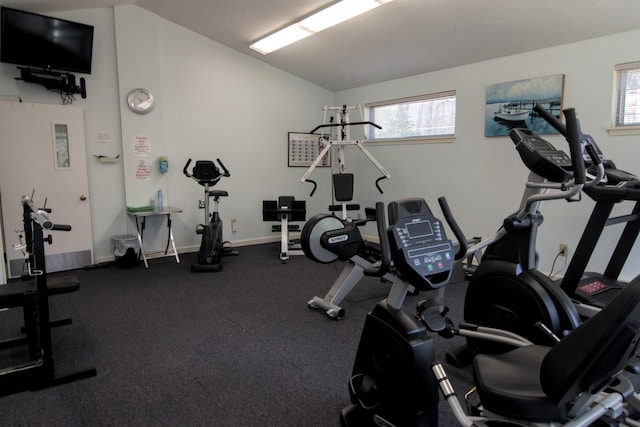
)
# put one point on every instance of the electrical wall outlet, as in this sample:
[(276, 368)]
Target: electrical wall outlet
[(234, 225), (563, 250)]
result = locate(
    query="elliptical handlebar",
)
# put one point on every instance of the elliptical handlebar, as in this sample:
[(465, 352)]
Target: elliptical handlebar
[(564, 131), (385, 262), (551, 119), (575, 145)]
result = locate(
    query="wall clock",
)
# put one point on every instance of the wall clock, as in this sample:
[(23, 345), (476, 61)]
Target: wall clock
[(140, 101)]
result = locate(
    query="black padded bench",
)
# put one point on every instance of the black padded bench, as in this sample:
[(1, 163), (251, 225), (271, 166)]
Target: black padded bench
[(285, 210)]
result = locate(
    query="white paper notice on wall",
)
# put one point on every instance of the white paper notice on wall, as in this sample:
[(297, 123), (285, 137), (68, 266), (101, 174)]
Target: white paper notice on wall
[(141, 146), (143, 170), (103, 137)]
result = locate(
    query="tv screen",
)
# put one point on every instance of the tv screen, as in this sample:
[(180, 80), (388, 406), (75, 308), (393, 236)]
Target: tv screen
[(41, 41)]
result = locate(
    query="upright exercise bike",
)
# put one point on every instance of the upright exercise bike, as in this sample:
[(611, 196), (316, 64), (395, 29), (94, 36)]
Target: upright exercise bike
[(212, 246)]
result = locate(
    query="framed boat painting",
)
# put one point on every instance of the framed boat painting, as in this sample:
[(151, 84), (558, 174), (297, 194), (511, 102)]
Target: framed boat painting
[(510, 105)]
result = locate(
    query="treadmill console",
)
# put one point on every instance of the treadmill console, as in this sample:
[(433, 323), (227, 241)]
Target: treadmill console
[(421, 252), (541, 157)]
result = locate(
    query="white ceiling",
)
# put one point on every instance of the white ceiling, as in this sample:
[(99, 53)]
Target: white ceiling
[(399, 39)]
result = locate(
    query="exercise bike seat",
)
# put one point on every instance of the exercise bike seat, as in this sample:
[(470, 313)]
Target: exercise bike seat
[(538, 383), (218, 193)]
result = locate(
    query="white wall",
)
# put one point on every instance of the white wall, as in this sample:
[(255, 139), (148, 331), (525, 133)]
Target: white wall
[(216, 102), (482, 177), (106, 181), (212, 102)]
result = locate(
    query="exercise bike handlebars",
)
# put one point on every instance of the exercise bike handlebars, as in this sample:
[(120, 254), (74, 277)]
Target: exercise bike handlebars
[(185, 171), (457, 231), (226, 171)]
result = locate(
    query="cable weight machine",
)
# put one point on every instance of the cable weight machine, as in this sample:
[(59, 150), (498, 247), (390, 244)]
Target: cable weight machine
[(343, 181)]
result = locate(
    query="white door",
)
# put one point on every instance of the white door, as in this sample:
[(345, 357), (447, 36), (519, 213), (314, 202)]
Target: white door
[(42, 150)]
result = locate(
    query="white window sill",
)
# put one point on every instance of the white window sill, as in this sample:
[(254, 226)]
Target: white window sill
[(624, 130), (410, 141)]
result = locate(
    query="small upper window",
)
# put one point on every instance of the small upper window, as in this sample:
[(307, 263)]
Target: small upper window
[(627, 96), (420, 117)]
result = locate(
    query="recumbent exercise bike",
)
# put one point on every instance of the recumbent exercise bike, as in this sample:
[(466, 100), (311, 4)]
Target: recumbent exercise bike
[(212, 246), (395, 377)]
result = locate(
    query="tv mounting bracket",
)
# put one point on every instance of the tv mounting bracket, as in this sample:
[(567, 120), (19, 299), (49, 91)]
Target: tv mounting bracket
[(53, 80)]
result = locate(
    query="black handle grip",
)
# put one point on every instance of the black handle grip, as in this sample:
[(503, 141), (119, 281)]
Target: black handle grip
[(551, 119), (593, 153), (315, 185), (575, 145), (457, 231), (61, 227), (333, 125), (378, 186), (226, 171), (184, 170), (385, 262)]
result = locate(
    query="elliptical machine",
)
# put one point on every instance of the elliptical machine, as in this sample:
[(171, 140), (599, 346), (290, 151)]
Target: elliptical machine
[(579, 382), (506, 290), (212, 246), (616, 186)]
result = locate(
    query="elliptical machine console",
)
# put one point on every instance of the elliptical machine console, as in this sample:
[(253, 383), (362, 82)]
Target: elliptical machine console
[(540, 156)]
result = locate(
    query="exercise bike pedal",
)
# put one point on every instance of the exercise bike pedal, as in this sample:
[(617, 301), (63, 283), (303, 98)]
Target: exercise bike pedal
[(432, 313), (227, 249)]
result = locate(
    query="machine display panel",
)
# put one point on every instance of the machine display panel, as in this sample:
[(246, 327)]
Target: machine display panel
[(419, 229)]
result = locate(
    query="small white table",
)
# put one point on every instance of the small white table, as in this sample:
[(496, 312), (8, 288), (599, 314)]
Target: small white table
[(140, 219)]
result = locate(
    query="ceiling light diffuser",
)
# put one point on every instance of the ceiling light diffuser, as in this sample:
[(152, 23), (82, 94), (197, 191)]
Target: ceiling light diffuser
[(332, 15)]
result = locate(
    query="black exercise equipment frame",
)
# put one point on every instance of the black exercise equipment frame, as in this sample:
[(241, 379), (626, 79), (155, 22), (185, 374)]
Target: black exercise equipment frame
[(39, 372)]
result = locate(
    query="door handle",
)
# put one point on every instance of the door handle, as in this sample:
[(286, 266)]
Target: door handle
[(83, 197)]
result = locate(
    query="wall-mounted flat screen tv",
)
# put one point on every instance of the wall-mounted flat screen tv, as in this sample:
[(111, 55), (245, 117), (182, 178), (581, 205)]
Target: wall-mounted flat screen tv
[(44, 42)]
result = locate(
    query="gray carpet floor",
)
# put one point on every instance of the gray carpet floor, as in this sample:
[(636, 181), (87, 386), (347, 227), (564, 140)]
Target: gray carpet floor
[(234, 348)]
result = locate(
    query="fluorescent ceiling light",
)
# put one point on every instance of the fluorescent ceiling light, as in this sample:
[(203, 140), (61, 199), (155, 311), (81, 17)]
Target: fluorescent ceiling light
[(334, 14)]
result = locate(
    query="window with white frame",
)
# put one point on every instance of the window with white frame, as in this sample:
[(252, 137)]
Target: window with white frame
[(421, 117), (627, 95)]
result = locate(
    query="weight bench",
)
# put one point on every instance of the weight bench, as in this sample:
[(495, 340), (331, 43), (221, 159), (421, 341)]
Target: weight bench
[(285, 210), (23, 294)]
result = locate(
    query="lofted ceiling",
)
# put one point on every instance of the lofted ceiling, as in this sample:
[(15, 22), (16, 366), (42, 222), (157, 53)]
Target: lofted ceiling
[(398, 39)]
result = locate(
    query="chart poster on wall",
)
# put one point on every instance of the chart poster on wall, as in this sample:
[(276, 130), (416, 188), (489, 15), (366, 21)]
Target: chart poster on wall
[(304, 148), (510, 105)]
